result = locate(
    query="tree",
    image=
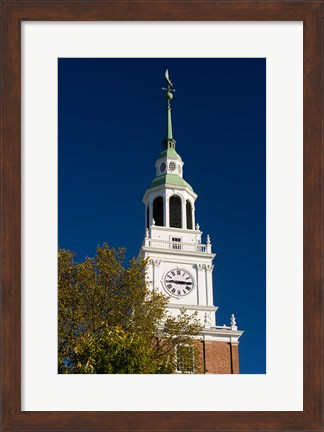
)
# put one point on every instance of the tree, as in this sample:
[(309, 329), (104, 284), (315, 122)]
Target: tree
[(109, 321)]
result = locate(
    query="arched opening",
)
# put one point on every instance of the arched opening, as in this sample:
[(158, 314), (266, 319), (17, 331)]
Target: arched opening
[(175, 212), (148, 216), (158, 211), (189, 214)]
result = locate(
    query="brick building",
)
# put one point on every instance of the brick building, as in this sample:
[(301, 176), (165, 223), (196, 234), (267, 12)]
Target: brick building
[(180, 265)]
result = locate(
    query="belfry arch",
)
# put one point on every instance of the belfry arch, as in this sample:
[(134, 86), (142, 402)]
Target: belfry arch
[(189, 215), (158, 211), (175, 211)]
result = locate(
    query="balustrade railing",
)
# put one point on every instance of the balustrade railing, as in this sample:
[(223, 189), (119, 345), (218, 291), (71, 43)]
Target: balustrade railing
[(172, 245)]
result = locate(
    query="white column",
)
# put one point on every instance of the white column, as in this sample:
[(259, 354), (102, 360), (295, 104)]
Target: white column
[(148, 219), (201, 288), (193, 216), (149, 274), (167, 213), (151, 210), (209, 284), (156, 281), (184, 213)]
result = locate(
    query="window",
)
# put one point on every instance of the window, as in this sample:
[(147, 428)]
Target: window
[(172, 166), (162, 167), (158, 211), (176, 243), (175, 212), (185, 358)]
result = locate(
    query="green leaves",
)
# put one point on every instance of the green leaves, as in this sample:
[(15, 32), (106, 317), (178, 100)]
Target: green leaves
[(110, 322)]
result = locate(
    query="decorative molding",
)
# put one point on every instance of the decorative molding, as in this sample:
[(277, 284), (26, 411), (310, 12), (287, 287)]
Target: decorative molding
[(207, 319), (193, 307)]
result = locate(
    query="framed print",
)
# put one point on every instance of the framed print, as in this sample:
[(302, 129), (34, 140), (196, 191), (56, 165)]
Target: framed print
[(42, 90), (288, 35)]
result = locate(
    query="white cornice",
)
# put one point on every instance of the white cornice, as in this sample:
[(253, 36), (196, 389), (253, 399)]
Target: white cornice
[(166, 186), (178, 230), (219, 334)]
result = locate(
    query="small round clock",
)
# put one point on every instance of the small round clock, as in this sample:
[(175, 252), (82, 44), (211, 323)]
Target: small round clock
[(178, 282)]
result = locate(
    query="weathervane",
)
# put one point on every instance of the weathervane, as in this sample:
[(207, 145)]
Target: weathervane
[(170, 88)]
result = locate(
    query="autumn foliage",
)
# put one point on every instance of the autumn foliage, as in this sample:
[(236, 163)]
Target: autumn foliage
[(109, 321)]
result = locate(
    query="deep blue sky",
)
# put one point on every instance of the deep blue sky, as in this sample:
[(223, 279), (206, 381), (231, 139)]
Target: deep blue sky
[(112, 119)]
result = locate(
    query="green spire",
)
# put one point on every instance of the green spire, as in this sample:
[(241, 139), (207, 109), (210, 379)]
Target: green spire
[(169, 142), (169, 120), (169, 151)]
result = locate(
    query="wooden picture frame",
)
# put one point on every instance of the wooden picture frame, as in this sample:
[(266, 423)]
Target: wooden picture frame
[(13, 13)]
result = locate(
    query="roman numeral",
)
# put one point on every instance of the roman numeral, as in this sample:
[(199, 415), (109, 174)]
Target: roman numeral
[(169, 286), (178, 272)]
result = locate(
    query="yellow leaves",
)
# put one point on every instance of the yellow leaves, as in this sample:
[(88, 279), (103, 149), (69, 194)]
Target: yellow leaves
[(108, 318)]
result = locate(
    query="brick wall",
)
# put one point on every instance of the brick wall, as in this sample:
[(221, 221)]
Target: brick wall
[(235, 359), (220, 357)]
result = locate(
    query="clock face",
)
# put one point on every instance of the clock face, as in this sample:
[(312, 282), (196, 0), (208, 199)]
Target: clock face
[(179, 282)]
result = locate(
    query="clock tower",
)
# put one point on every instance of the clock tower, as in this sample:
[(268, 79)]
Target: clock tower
[(180, 261)]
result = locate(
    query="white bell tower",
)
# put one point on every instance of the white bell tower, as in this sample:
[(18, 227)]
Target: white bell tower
[(180, 262)]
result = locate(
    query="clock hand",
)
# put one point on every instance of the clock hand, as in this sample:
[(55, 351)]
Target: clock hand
[(180, 282)]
